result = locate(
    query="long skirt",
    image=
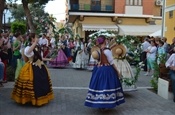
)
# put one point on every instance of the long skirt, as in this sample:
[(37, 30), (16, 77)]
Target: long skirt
[(60, 61), (105, 90), (127, 74), (33, 86), (81, 60), (91, 64), (20, 64)]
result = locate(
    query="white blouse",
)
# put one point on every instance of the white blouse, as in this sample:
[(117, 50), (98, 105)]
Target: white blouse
[(26, 52), (152, 52), (31, 53)]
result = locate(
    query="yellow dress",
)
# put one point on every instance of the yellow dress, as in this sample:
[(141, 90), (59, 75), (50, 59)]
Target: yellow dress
[(33, 84)]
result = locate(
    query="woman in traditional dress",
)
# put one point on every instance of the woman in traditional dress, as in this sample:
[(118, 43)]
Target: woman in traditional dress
[(81, 60), (65, 43), (92, 62), (105, 90), (120, 61), (16, 50), (21, 62), (33, 84), (60, 60)]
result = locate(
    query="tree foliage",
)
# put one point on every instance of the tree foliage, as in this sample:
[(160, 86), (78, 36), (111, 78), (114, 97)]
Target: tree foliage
[(18, 13), (28, 12)]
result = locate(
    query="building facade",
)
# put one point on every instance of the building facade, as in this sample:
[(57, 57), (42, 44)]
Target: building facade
[(125, 17), (169, 20)]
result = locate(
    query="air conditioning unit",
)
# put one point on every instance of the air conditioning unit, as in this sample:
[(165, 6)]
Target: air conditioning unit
[(159, 2)]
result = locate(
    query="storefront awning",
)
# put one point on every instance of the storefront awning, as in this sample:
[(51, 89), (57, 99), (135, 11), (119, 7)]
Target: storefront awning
[(157, 33), (138, 30), (97, 27)]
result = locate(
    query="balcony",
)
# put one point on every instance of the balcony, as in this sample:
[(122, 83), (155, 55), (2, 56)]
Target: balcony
[(91, 8)]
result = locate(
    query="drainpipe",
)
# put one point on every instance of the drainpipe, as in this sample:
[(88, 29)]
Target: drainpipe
[(163, 18)]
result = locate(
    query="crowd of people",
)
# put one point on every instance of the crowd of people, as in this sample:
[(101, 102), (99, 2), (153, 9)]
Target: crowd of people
[(30, 56), (157, 50), (62, 50)]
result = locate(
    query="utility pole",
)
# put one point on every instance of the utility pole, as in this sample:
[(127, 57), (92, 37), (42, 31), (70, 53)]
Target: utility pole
[(163, 18)]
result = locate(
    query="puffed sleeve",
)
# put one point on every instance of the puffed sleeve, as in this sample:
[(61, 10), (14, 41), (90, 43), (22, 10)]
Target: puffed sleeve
[(108, 54), (26, 52)]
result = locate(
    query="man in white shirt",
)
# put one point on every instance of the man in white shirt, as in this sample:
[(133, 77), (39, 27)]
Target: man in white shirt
[(171, 65), (43, 40), (144, 47)]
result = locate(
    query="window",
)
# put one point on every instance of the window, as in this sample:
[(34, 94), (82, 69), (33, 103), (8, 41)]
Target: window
[(96, 5), (96, 2), (171, 14), (133, 2)]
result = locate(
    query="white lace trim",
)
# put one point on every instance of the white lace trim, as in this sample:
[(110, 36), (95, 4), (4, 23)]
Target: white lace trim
[(104, 96), (105, 90)]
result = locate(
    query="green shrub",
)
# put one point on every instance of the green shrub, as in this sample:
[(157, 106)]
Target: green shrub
[(18, 27)]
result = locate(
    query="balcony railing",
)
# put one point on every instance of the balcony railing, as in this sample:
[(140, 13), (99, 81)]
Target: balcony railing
[(92, 8)]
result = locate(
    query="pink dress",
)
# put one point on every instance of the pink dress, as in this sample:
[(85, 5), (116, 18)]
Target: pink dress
[(60, 60)]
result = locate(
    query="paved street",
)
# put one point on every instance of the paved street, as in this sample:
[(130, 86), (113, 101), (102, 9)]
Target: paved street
[(70, 88)]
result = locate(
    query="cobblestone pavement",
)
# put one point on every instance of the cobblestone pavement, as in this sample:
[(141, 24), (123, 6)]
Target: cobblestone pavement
[(70, 88)]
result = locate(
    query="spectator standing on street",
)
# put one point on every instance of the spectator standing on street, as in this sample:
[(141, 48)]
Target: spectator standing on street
[(105, 89), (144, 47), (165, 45), (172, 46), (151, 58), (4, 58), (33, 83), (161, 53), (170, 63), (7, 43)]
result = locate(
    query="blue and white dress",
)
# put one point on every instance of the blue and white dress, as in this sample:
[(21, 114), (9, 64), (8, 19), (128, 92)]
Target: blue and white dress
[(105, 89)]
